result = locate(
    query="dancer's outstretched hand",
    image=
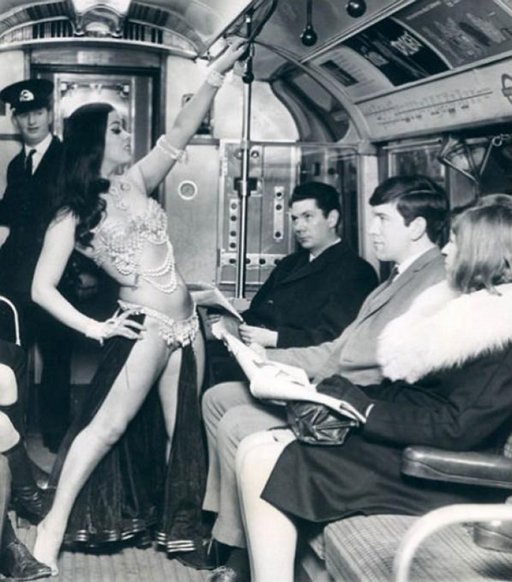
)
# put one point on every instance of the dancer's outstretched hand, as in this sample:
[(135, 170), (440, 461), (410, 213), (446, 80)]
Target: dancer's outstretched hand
[(118, 324), (236, 48)]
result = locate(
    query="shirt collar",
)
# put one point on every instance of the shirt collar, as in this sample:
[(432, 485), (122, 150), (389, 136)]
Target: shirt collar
[(41, 148), (404, 265)]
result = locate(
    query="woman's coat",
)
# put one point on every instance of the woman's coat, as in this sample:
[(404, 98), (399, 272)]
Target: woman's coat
[(450, 359)]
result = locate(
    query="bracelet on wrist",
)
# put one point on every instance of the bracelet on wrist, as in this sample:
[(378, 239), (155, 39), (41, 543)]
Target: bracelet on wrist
[(168, 149), (215, 79)]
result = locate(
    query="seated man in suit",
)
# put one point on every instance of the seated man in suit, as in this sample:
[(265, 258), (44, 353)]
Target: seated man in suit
[(409, 216), (314, 293)]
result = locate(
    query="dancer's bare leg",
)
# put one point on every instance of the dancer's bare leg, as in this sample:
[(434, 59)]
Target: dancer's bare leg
[(168, 383), (271, 535), (144, 365), (168, 391), (200, 353)]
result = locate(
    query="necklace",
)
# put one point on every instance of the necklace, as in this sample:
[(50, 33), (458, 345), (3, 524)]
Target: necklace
[(115, 192)]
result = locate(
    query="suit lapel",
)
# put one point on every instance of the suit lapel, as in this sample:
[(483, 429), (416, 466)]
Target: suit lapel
[(19, 163), (306, 268), (48, 157), (385, 291)]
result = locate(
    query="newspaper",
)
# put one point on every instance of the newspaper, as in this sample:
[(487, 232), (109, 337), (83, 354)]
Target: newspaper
[(274, 381), (207, 295)]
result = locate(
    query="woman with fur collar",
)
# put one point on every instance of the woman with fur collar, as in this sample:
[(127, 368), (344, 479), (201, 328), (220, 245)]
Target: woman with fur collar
[(449, 364)]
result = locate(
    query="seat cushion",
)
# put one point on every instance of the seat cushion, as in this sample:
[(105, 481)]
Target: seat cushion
[(362, 549)]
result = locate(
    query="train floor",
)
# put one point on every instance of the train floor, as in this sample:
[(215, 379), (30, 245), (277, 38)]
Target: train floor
[(128, 564)]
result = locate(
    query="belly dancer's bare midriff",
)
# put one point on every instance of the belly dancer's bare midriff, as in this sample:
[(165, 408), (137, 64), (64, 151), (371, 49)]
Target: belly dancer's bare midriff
[(136, 251)]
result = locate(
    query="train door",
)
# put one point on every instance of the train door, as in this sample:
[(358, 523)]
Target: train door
[(132, 94)]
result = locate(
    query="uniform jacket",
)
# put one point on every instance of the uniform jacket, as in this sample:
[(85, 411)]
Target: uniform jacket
[(310, 302), (354, 353), (23, 209), (451, 360)]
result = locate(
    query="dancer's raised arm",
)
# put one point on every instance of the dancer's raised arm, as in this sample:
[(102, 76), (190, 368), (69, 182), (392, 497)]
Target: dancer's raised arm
[(169, 147)]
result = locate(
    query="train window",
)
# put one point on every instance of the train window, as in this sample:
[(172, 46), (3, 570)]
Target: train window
[(416, 158)]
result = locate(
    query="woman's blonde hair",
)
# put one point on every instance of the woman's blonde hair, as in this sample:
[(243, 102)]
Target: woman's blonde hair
[(484, 244)]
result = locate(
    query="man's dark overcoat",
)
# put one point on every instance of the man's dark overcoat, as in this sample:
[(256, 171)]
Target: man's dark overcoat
[(311, 302)]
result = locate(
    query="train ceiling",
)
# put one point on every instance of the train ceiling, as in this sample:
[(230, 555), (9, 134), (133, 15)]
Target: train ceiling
[(399, 40), (385, 47)]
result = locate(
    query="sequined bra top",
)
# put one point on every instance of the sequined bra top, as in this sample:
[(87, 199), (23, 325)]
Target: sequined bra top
[(121, 242)]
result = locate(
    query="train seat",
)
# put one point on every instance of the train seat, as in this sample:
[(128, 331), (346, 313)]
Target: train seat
[(362, 549), (439, 546)]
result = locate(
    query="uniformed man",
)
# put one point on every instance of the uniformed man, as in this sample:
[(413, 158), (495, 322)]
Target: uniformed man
[(24, 210)]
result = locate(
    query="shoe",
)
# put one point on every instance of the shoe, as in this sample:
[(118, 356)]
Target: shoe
[(494, 535), (236, 569), (204, 557), (18, 563), (26, 496), (223, 574), (41, 477), (28, 503)]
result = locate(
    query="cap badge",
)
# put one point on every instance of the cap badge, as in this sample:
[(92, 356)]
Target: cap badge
[(26, 96)]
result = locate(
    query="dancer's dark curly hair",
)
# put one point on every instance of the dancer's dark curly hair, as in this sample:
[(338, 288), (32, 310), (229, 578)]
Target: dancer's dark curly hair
[(79, 183)]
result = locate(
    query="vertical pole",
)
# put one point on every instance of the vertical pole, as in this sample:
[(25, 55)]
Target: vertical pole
[(244, 190)]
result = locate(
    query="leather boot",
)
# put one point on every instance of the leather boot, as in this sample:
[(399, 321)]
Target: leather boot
[(16, 561), (26, 496)]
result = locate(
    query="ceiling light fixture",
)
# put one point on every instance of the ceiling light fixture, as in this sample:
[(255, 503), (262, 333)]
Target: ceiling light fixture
[(121, 7)]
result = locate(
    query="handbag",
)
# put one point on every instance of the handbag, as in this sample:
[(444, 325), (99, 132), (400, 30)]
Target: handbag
[(317, 424)]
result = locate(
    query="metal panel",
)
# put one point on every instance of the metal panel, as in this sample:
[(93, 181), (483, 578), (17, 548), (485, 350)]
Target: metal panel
[(269, 237), (274, 170), (191, 201)]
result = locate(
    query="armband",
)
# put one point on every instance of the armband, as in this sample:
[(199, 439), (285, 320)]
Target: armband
[(169, 150)]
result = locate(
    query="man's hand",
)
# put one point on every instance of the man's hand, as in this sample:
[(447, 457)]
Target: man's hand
[(258, 335)]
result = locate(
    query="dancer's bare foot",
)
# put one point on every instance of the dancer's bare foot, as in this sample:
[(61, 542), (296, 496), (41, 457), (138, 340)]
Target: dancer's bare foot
[(47, 546)]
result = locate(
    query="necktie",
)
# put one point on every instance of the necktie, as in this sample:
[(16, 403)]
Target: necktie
[(29, 162), (392, 276)]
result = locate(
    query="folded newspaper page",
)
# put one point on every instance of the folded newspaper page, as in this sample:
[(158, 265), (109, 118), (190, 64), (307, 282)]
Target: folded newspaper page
[(207, 295), (278, 382)]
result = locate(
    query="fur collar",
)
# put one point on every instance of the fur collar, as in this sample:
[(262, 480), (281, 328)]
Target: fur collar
[(443, 329)]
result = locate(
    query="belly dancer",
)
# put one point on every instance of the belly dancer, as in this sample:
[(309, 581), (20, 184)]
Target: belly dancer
[(111, 478)]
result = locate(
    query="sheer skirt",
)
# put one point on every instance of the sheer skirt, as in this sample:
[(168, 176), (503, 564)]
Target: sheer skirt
[(134, 488)]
